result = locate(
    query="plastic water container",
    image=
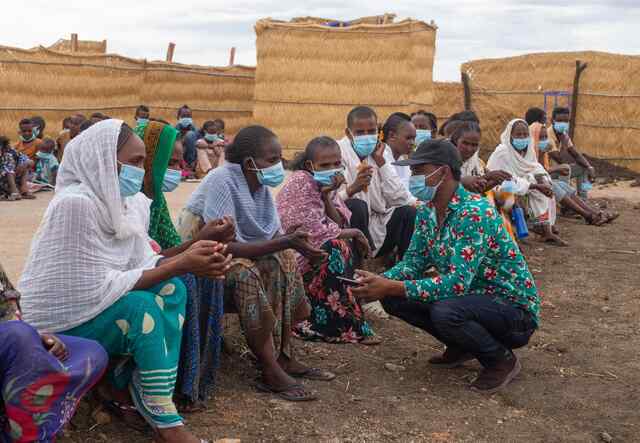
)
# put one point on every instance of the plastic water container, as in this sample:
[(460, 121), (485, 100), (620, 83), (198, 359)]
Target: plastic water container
[(519, 222), (508, 186), (587, 186)]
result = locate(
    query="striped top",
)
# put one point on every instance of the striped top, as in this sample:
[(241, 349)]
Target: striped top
[(224, 191)]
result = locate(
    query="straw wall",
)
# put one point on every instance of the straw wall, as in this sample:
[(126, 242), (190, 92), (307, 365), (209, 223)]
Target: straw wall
[(608, 118), (448, 99), (54, 85), (309, 76), (84, 46)]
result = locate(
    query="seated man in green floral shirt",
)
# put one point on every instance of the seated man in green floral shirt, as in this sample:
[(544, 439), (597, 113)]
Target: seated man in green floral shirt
[(483, 303)]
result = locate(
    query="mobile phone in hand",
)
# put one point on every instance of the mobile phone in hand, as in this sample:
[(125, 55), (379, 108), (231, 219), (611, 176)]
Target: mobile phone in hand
[(349, 281)]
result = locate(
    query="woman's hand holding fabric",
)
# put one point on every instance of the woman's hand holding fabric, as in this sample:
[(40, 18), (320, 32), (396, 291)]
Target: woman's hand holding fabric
[(53, 344), (206, 258), (359, 239)]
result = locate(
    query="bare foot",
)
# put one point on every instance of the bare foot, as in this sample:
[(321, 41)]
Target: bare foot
[(554, 240)]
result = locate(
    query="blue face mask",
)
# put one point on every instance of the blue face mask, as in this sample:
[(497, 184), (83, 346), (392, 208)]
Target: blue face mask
[(28, 139), (171, 180), (520, 144), (212, 137), (561, 127), (36, 132), (508, 186), (142, 121), (272, 176), (325, 178), (422, 135), (130, 180), (543, 145), (419, 188), (185, 122), (364, 145)]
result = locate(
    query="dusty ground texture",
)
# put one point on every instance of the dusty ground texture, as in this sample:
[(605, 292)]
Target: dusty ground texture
[(580, 378)]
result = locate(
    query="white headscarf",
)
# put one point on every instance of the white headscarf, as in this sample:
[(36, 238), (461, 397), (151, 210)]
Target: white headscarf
[(506, 157), (91, 247)]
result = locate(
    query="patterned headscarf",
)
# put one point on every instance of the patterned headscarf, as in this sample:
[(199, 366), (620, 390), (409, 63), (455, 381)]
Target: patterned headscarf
[(159, 139)]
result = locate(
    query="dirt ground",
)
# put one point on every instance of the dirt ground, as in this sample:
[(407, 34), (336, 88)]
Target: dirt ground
[(580, 377)]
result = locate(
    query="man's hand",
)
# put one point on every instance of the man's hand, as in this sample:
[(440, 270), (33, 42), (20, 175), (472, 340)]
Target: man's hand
[(378, 155), (53, 344), (221, 230), (336, 181), (374, 287), (363, 179), (545, 189), (206, 259), (495, 178), (299, 240)]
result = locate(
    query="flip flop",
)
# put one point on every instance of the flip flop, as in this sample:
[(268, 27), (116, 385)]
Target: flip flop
[(611, 216), (556, 242), (287, 393), (314, 374), (371, 340), (28, 196), (128, 414)]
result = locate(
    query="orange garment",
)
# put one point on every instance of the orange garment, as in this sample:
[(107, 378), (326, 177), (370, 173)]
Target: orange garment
[(506, 221), (28, 148)]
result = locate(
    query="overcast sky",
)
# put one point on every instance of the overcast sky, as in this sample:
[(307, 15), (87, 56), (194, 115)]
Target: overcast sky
[(204, 30)]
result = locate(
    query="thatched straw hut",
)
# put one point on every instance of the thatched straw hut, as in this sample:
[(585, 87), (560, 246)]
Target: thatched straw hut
[(309, 75), (608, 118), (56, 84)]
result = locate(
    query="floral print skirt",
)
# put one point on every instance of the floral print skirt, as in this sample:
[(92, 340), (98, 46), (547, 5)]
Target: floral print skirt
[(39, 392), (336, 314)]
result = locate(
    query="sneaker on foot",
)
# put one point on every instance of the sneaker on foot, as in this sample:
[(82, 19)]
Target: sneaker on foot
[(450, 358), (497, 377)]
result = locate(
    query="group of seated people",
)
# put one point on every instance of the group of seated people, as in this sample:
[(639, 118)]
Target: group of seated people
[(112, 286), (31, 164)]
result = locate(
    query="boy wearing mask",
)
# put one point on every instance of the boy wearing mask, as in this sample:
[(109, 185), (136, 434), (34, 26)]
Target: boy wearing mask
[(46, 163), (28, 143)]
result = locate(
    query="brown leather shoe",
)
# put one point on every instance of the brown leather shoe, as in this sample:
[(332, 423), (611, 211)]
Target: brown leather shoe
[(495, 378), (451, 358)]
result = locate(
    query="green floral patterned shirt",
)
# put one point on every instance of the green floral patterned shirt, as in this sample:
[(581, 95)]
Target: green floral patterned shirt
[(472, 252)]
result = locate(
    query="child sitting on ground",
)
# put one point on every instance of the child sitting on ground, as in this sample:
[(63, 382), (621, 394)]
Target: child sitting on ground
[(14, 171), (46, 163), (210, 147)]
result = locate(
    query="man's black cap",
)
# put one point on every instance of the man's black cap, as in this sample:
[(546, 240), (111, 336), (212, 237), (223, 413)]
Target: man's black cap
[(434, 152)]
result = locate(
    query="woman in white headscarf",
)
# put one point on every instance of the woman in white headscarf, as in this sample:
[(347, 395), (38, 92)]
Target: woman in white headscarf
[(91, 272), (517, 156)]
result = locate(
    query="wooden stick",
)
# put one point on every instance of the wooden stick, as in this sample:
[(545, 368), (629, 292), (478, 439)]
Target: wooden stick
[(104, 46), (74, 42), (170, 49), (232, 56), (466, 84), (580, 67)]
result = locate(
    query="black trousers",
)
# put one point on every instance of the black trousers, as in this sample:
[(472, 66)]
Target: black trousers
[(487, 328), (399, 227)]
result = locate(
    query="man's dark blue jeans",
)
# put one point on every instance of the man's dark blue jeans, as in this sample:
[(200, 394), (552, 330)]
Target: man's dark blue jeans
[(487, 328)]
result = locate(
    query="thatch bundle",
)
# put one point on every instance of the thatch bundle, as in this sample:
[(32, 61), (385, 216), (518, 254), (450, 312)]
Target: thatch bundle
[(310, 75), (55, 84), (608, 118)]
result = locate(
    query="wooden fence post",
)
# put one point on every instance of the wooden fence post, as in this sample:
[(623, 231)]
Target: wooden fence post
[(466, 85), (170, 49), (104, 46), (232, 56), (580, 67), (74, 42)]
